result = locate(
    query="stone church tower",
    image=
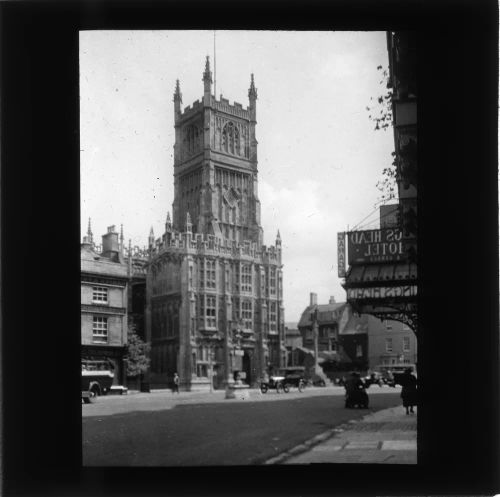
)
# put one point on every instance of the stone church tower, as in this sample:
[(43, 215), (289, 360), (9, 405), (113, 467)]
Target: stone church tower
[(214, 292)]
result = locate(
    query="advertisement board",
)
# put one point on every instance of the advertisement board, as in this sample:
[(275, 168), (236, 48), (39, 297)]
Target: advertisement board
[(341, 254), (381, 292), (382, 245)]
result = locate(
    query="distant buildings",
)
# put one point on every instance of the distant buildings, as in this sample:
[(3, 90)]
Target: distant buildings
[(348, 341)]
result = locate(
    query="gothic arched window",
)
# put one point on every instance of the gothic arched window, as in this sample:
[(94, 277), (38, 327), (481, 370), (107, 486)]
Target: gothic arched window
[(231, 139)]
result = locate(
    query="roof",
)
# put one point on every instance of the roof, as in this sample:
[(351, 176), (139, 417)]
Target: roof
[(327, 313), (92, 262), (356, 325)]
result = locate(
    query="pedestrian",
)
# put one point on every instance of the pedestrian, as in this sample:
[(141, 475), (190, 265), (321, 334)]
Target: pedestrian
[(409, 390), (176, 383)]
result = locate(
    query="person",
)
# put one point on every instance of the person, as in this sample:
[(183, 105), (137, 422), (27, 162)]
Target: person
[(409, 390), (176, 383), (355, 391)]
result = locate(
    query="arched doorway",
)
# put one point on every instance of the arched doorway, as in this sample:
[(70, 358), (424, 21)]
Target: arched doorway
[(246, 368)]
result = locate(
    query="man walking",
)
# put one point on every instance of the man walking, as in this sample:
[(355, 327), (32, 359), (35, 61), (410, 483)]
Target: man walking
[(176, 383)]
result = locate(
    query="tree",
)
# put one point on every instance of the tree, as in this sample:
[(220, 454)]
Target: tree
[(137, 353), (381, 115)]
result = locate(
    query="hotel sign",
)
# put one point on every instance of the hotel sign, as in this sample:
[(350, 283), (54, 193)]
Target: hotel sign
[(382, 245), (381, 292), (341, 255)]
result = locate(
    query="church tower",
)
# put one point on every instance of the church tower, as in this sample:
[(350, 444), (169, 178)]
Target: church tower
[(215, 165), (214, 298)]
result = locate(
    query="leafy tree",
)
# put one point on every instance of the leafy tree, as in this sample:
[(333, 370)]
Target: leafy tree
[(137, 353), (380, 113)]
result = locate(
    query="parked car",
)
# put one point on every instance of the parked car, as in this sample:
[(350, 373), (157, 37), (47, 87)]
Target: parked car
[(391, 373), (293, 376), (274, 383), (97, 377)]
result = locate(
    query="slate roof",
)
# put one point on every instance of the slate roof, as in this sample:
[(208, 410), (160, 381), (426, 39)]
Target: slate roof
[(325, 314), (356, 325), (92, 262)]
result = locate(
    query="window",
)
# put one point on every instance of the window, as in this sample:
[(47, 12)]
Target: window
[(406, 344), (100, 329), (272, 317), (388, 325), (208, 312), (359, 350), (207, 274), (231, 139), (246, 278), (272, 281), (246, 311), (388, 344), (100, 294)]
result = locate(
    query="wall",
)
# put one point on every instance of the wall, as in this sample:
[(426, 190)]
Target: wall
[(377, 334)]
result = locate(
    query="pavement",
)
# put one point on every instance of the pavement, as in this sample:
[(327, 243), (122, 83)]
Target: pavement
[(388, 436)]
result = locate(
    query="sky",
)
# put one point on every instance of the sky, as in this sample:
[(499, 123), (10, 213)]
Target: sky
[(319, 157)]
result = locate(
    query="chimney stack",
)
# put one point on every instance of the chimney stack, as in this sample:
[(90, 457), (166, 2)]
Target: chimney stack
[(110, 243), (332, 300), (314, 299)]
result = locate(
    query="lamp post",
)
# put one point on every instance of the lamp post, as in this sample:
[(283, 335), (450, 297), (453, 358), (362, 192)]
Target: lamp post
[(315, 336)]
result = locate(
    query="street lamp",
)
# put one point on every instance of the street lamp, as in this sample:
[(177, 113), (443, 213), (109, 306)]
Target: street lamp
[(314, 318)]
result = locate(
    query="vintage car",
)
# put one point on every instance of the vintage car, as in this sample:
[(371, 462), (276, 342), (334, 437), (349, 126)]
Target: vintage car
[(274, 383), (97, 378)]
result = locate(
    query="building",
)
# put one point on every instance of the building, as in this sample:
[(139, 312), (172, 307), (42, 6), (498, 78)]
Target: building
[(214, 303), (381, 279), (390, 343), (104, 297), (293, 344), (351, 341), (327, 317)]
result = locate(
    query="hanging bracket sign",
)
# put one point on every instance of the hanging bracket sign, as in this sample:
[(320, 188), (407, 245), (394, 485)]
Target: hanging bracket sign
[(382, 245)]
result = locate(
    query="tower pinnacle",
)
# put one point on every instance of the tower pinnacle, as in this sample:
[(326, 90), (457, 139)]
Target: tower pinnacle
[(207, 82), (207, 75), (177, 93), (89, 233), (252, 91)]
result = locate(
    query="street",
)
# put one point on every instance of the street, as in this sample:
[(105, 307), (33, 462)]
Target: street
[(195, 429)]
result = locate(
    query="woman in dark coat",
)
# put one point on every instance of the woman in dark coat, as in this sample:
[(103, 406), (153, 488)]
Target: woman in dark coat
[(409, 390)]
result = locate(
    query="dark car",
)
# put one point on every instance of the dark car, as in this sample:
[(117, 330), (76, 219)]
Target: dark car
[(293, 376)]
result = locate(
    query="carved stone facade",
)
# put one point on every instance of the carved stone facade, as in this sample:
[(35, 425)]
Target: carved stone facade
[(214, 292)]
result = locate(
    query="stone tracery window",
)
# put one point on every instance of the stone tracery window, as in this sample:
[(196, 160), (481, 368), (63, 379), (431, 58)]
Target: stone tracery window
[(231, 139), (192, 138)]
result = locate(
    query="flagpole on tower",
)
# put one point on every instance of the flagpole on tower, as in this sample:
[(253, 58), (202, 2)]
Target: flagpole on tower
[(215, 71)]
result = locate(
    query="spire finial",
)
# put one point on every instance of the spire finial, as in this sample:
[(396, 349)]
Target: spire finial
[(89, 233), (252, 92), (207, 75), (168, 217)]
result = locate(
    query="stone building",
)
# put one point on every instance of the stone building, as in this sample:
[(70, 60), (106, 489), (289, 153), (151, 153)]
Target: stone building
[(113, 283), (104, 296), (214, 291)]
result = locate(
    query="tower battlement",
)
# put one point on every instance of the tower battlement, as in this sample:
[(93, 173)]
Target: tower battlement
[(203, 244)]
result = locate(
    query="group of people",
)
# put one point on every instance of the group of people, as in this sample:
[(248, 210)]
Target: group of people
[(408, 381)]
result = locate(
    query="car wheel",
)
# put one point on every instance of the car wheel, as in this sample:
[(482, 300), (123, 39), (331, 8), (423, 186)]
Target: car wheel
[(286, 388), (263, 388), (322, 383)]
